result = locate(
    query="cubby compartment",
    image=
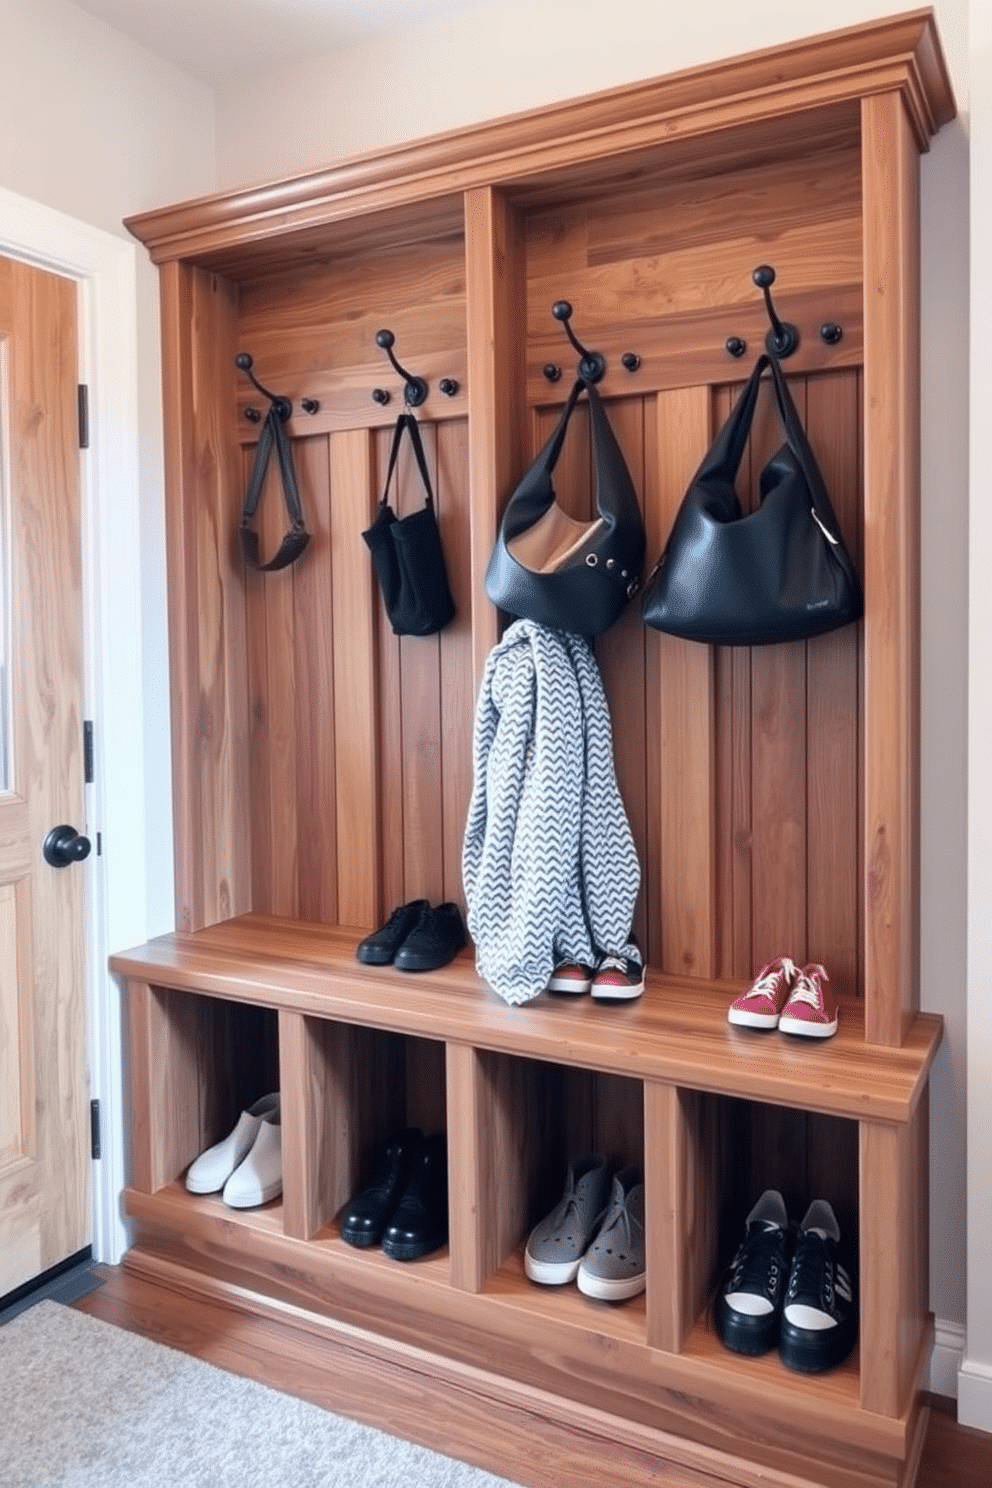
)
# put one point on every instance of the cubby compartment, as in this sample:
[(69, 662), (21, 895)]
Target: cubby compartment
[(352, 1088)]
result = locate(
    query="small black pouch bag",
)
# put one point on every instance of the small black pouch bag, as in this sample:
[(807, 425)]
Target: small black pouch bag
[(407, 553), (778, 573), (273, 436)]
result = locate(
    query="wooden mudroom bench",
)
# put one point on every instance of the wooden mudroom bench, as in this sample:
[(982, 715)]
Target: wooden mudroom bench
[(322, 769)]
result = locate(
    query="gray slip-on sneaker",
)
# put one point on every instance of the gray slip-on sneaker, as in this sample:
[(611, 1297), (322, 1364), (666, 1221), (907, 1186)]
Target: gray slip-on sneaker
[(613, 1268), (557, 1244)]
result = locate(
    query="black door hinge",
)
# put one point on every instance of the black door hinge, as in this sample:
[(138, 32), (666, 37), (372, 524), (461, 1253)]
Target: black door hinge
[(83, 405), (88, 751), (94, 1129)]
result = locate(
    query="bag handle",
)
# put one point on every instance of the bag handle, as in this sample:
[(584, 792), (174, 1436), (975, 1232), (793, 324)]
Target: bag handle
[(408, 422), (295, 540), (737, 431), (553, 449)]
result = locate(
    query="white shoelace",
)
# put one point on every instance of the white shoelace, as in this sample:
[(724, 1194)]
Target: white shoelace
[(765, 984), (807, 988)]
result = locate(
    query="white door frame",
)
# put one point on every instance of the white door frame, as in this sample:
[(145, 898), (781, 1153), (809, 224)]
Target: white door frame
[(104, 267)]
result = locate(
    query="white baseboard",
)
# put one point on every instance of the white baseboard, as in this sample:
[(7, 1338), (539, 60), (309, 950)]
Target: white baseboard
[(975, 1395), (946, 1358)]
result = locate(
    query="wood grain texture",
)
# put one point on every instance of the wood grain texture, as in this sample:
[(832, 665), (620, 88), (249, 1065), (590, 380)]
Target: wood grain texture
[(677, 1032), (892, 557)]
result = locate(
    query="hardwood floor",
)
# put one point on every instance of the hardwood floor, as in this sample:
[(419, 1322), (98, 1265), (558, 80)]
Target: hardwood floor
[(954, 1456)]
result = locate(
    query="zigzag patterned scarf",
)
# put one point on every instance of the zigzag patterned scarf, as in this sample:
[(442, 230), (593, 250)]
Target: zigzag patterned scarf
[(549, 865)]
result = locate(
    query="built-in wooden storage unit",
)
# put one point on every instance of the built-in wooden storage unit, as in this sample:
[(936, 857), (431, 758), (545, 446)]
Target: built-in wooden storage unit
[(323, 766)]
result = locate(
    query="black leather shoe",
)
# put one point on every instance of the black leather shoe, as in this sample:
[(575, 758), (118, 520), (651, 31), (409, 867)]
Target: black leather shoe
[(435, 939), (420, 1222), (365, 1216), (379, 948)]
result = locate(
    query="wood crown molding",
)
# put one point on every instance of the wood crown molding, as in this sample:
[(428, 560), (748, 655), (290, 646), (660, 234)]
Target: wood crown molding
[(900, 53)]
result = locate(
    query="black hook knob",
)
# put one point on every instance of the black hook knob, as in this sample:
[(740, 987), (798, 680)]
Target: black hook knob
[(783, 338), (831, 332), (630, 360), (64, 845), (415, 389), (551, 372), (735, 346), (592, 365), (380, 395), (252, 415), (309, 405), (448, 386)]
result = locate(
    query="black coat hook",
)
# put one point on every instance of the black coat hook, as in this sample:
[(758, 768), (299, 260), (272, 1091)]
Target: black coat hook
[(783, 338), (282, 406), (592, 365), (415, 389)]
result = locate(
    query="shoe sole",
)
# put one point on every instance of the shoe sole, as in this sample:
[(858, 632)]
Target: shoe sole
[(745, 1333), (807, 1030), (810, 1350), (616, 994), (205, 1188), (253, 1203), (609, 1288), (414, 1250), (569, 984), (363, 1240), (551, 1273), (752, 1020), (424, 963)]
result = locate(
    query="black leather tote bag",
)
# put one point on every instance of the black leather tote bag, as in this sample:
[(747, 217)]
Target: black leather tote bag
[(407, 553), (779, 573), (273, 437), (548, 567)]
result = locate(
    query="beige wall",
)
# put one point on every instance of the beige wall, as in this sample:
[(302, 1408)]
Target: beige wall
[(97, 128)]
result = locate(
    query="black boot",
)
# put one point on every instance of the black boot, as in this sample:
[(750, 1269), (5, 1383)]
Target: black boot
[(365, 1216), (420, 1223)]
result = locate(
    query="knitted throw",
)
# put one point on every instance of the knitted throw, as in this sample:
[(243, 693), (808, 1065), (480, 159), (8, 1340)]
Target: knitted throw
[(549, 865)]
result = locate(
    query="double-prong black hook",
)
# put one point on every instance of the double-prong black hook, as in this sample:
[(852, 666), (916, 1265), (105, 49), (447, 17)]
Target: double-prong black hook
[(415, 388), (592, 364), (783, 337), (282, 406)]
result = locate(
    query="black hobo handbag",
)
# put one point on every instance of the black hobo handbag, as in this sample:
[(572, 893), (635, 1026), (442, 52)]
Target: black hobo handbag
[(273, 436), (548, 567), (779, 573), (407, 553)]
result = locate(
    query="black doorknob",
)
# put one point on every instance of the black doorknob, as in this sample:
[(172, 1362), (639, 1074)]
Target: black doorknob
[(64, 845)]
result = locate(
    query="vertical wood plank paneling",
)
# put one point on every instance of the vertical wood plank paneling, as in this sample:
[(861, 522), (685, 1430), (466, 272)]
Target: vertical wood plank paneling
[(457, 693), (685, 735), (316, 835), (778, 752), (420, 712), (390, 720), (473, 1138), (206, 603), (620, 654), (304, 1120), (495, 322), (355, 683), (833, 732), (890, 188)]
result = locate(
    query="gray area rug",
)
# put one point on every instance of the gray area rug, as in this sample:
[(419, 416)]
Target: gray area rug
[(84, 1404)]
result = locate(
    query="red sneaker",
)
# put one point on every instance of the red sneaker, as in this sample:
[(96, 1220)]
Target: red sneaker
[(760, 1005), (812, 1007), (570, 976)]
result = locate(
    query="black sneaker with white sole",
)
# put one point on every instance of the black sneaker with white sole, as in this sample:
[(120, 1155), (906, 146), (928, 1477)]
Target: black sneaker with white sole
[(820, 1316), (749, 1303)]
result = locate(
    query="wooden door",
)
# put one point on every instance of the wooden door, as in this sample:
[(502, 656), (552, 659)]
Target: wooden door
[(44, 1143)]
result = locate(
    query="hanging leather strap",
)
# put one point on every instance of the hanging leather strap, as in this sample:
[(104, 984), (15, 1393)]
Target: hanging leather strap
[(409, 423), (273, 434)]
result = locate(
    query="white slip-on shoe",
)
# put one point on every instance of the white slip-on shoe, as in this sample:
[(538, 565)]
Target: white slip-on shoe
[(212, 1168), (259, 1177)]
